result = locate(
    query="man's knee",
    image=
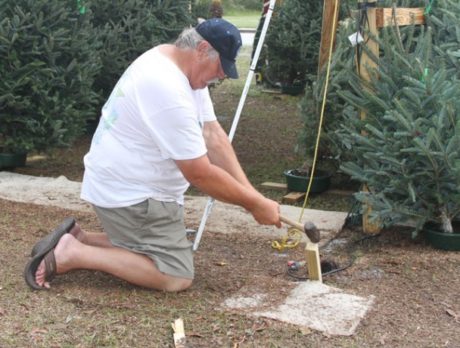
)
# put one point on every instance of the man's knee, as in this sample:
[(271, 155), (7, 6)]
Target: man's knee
[(177, 284)]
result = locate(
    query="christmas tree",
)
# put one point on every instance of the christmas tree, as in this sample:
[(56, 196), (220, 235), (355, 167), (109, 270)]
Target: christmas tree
[(292, 42), (407, 149), (49, 62), (343, 66)]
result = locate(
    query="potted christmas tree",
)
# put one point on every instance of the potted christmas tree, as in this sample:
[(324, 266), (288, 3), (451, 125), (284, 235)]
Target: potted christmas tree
[(292, 45), (47, 50), (407, 149)]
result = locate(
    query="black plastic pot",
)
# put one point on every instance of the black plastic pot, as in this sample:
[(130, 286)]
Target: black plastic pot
[(299, 183), (12, 160), (443, 240)]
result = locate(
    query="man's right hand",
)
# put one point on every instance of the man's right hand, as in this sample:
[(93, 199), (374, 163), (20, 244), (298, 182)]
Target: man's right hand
[(267, 212), (220, 185)]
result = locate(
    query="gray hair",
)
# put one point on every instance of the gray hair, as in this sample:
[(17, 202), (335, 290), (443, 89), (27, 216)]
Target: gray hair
[(189, 39)]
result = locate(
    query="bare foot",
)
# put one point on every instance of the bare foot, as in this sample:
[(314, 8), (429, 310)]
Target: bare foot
[(77, 232), (63, 253)]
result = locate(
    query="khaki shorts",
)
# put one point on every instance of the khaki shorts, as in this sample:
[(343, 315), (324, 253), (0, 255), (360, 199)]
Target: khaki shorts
[(152, 228)]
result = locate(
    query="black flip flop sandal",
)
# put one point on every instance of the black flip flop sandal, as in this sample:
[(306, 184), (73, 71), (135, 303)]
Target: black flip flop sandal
[(45, 251), (65, 227)]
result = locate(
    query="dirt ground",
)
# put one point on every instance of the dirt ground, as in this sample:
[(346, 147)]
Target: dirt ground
[(415, 289)]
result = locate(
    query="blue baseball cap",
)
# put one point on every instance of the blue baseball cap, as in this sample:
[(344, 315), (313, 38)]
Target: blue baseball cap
[(225, 38)]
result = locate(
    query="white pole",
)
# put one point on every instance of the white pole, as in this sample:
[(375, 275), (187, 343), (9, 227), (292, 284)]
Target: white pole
[(231, 134)]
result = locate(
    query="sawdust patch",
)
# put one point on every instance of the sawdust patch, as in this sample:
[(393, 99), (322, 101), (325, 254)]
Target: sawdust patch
[(308, 304)]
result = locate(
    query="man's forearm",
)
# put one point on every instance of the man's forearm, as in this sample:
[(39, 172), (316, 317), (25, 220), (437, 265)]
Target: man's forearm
[(218, 183), (221, 153)]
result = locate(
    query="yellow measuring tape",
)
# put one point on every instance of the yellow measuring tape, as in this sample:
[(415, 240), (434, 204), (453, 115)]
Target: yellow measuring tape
[(287, 241)]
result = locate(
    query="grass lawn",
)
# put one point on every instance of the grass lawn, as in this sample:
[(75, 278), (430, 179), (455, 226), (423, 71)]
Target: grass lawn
[(243, 19)]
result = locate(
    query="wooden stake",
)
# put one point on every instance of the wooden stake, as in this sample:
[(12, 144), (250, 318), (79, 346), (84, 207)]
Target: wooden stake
[(313, 261), (179, 333), (366, 66), (327, 35), (326, 31), (366, 62)]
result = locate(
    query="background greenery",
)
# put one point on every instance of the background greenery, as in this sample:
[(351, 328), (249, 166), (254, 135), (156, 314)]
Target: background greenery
[(405, 149), (126, 29), (60, 60), (292, 43), (49, 62)]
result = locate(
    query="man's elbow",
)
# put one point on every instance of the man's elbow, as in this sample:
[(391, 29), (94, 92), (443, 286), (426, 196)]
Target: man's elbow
[(196, 171), (197, 179)]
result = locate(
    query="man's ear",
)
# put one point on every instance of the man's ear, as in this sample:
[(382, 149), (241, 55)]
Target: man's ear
[(203, 48)]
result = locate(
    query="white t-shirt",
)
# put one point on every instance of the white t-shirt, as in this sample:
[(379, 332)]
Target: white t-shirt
[(152, 118)]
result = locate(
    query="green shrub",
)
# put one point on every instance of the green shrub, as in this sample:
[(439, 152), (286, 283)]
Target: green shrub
[(446, 37), (343, 67), (293, 42), (200, 9), (409, 152), (127, 28), (48, 65), (61, 59), (406, 148)]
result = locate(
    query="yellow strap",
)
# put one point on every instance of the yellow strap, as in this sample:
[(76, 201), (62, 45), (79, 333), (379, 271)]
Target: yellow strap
[(290, 240), (286, 241), (323, 107)]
